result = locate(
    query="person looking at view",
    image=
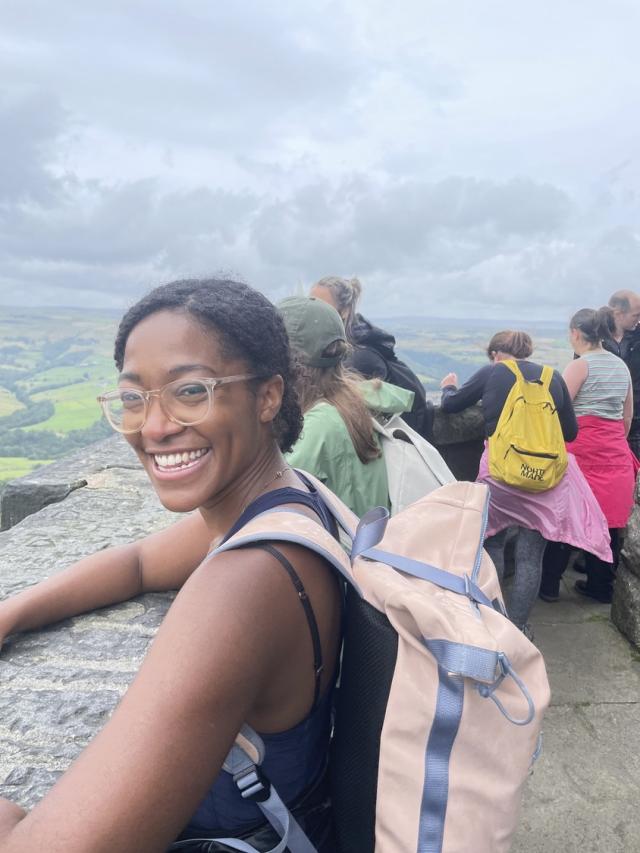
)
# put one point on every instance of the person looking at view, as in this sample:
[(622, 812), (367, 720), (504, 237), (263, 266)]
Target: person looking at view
[(600, 386), (373, 354), (206, 399), (567, 512)]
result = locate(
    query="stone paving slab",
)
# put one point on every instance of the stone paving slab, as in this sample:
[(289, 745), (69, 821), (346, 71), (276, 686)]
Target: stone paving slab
[(583, 794)]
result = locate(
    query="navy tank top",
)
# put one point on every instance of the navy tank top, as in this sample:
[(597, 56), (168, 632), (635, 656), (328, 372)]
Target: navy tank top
[(296, 758)]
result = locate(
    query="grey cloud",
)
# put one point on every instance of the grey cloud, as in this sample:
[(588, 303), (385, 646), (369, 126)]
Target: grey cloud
[(198, 73), (30, 126), (371, 226)]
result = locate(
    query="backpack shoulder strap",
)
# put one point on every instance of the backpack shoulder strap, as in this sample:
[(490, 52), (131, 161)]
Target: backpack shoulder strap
[(285, 524), (512, 365), (546, 377)]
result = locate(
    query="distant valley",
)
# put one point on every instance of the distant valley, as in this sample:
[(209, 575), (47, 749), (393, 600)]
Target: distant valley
[(54, 363)]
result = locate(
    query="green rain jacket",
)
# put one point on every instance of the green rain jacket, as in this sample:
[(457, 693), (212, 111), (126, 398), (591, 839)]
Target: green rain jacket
[(325, 449)]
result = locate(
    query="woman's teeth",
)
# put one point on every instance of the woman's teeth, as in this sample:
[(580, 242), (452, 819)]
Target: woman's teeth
[(179, 460)]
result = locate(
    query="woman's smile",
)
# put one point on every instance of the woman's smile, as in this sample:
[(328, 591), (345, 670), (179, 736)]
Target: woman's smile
[(177, 464)]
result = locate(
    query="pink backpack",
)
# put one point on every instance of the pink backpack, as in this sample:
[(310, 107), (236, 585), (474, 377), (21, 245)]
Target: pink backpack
[(441, 697)]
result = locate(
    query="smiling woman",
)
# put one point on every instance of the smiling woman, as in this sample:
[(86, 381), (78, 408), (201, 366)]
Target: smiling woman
[(206, 400)]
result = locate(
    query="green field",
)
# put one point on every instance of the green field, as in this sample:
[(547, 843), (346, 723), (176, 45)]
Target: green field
[(12, 467), (53, 365), (8, 402)]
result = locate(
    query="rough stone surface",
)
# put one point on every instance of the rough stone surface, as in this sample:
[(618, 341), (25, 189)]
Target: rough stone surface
[(631, 547), (582, 795), (625, 608), (20, 499), (55, 482), (459, 428), (60, 685), (460, 440)]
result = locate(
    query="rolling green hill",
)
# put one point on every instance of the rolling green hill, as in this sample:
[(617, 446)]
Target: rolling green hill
[(53, 364)]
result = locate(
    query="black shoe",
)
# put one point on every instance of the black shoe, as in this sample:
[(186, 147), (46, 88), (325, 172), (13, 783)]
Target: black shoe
[(583, 588), (545, 596)]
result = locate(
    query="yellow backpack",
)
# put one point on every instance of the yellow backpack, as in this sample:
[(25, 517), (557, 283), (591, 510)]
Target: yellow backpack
[(527, 449)]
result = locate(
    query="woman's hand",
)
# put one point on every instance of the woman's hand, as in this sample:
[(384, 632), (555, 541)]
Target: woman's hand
[(449, 379)]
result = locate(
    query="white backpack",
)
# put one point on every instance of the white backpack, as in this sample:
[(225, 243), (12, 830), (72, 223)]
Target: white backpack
[(414, 467), (440, 705)]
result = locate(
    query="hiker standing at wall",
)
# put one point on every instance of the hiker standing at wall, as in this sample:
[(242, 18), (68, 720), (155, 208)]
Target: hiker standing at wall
[(373, 354), (624, 341), (564, 512), (600, 386)]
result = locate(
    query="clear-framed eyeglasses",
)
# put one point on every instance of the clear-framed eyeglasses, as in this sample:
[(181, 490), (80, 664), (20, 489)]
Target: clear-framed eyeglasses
[(184, 401)]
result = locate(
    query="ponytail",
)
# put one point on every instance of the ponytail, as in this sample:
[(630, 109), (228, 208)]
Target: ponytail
[(594, 325)]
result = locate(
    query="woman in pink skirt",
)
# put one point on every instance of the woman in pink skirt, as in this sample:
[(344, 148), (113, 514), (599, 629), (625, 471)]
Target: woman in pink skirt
[(600, 386)]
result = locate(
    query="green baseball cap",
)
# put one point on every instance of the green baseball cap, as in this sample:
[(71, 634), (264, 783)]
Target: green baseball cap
[(312, 325)]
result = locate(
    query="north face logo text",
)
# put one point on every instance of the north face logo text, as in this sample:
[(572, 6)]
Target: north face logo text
[(530, 473)]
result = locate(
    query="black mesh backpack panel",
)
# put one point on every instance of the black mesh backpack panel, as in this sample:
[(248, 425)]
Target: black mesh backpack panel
[(368, 663)]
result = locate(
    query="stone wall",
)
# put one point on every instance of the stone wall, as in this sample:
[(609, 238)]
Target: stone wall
[(625, 608), (59, 685)]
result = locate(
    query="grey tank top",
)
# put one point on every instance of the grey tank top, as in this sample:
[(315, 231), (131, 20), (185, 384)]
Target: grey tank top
[(605, 388)]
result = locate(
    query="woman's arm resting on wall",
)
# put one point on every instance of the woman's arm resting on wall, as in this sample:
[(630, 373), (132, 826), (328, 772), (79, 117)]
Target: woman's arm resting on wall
[(457, 399), (159, 562), (215, 658)]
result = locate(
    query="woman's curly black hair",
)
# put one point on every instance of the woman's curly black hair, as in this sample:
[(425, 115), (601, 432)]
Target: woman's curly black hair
[(249, 326)]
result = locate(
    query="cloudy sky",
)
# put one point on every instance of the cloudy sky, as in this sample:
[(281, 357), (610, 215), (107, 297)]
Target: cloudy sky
[(461, 157)]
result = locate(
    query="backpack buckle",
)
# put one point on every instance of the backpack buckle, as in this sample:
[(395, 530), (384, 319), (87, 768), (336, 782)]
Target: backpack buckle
[(253, 784)]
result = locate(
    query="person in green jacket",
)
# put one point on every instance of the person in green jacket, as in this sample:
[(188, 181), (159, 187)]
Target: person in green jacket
[(339, 443)]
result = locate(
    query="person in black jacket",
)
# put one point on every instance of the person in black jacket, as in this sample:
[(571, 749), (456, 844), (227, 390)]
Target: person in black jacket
[(625, 343), (374, 349), (558, 514)]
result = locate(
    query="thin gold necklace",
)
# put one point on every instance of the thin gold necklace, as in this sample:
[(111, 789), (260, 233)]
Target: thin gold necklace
[(277, 476)]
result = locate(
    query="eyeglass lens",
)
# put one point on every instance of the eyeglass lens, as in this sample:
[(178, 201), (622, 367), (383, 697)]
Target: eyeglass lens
[(185, 401)]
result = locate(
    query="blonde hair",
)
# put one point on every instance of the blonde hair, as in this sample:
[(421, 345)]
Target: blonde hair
[(346, 293), (341, 388)]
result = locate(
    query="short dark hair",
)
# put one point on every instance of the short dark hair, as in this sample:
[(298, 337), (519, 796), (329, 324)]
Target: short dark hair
[(249, 326), (594, 325), (517, 344)]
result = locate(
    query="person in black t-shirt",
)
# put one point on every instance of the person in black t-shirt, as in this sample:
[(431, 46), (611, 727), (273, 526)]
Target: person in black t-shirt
[(557, 514)]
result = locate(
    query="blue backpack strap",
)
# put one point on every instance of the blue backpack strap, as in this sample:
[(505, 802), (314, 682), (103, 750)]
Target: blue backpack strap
[(371, 530), (280, 497)]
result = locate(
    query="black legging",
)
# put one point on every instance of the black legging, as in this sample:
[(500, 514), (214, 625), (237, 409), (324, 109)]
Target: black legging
[(600, 575)]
